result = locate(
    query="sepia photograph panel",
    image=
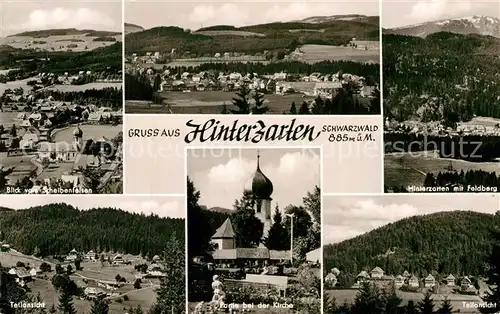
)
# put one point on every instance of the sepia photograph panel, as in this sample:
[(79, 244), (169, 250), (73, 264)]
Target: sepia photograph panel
[(407, 253), (61, 97), (254, 230), (252, 57), (441, 96), (100, 254)]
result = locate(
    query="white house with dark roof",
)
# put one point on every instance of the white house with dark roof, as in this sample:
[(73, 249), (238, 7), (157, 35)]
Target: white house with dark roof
[(377, 273), (450, 280), (413, 282), (224, 237), (429, 281), (399, 281)]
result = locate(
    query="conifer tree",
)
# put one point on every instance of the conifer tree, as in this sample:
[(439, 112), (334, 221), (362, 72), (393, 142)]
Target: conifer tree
[(369, 300), (241, 101), (278, 236), (259, 107), (426, 306), (66, 303), (446, 307), (100, 306), (494, 272), (410, 308), (293, 108)]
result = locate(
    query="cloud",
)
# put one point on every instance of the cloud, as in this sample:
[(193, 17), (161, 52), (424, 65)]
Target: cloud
[(293, 176), (172, 209), (438, 9), (349, 218), (66, 18), (228, 13)]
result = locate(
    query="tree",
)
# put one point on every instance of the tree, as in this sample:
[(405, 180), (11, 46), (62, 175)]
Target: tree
[(66, 303), (426, 306), (368, 300), (277, 238), (69, 270), (304, 108), (137, 284), (293, 108), (248, 229), (241, 101), (78, 262), (199, 230), (13, 131), (392, 300), (312, 204), (446, 307), (172, 293), (259, 107), (157, 83), (100, 306), (410, 308), (494, 271)]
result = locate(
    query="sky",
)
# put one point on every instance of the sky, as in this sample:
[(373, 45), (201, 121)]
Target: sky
[(346, 217), (197, 14), (396, 13), (20, 16), (221, 175), (173, 207)]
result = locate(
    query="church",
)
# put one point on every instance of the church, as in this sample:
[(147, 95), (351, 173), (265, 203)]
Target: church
[(224, 240)]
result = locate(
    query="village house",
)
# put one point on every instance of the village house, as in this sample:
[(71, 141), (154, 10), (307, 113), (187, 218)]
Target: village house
[(326, 88), (93, 293), (413, 282), (362, 276), (72, 256), (399, 281), (35, 272), (118, 260), (91, 255), (406, 274), (429, 281), (450, 280), (21, 274), (466, 283), (377, 273)]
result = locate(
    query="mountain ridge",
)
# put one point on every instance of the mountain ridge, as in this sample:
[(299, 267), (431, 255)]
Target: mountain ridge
[(475, 24), (64, 32)]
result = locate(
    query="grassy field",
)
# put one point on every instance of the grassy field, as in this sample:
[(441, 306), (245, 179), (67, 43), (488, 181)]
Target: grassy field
[(84, 87), (316, 53), (93, 132), (57, 43), (16, 84), (8, 118), (405, 169), (210, 102), (456, 299), (144, 297)]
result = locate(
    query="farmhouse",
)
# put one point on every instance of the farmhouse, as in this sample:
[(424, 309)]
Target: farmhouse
[(377, 273), (413, 282), (406, 274), (399, 281), (326, 88), (21, 274), (429, 281), (73, 255), (92, 292), (466, 283), (91, 255), (450, 280), (118, 260), (362, 276)]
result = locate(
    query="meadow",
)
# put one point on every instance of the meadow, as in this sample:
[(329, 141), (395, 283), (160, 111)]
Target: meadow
[(211, 102), (409, 169), (84, 87), (75, 42), (317, 53), (90, 131)]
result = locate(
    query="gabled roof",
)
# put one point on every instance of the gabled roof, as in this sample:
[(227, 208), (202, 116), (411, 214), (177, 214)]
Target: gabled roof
[(430, 278), (450, 277), (225, 231), (377, 270)]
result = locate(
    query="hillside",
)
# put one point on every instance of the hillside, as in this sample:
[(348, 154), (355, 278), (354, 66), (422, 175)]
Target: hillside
[(65, 32), (249, 39), (58, 228), (479, 25), (95, 60), (447, 242), (347, 17), (132, 28), (444, 76)]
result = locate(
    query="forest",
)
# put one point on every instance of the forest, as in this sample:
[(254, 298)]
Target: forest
[(461, 247), (56, 229), (444, 77), (271, 37), (107, 58)]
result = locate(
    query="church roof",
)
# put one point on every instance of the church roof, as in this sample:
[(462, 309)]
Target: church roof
[(262, 187), (225, 231)]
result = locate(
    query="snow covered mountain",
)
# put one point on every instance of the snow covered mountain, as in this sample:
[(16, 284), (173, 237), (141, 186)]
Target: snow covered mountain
[(481, 25)]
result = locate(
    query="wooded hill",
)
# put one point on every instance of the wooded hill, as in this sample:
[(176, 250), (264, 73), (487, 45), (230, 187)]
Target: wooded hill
[(457, 242), (249, 39), (56, 229), (445, 76), (65, 32), (101, 59)]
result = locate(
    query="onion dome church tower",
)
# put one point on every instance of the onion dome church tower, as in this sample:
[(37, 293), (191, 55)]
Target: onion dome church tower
[(78, 139), (262, 189)]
